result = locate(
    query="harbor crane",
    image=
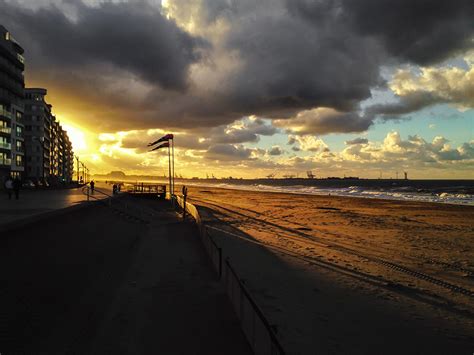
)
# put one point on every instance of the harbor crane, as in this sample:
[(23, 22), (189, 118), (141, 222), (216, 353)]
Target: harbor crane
[(310, 174)]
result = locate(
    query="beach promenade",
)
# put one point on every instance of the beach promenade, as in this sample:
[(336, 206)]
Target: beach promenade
[(97, 282), (38, 202)]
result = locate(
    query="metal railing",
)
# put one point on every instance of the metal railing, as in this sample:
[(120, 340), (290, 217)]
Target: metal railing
[(6, 130), (142, 188), (260, 334), (6, 113), (126, 208)]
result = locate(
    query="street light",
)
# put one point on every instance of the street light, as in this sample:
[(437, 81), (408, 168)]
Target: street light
[(77, 159)]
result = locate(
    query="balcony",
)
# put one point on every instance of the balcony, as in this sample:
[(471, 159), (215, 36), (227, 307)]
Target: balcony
[(6, 130), (5, 146), (6, 114), (5, 162), (11, 69)]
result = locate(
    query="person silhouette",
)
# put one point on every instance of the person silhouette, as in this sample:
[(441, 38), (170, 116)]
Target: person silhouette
[(16, 187), (92, 186), (9, 187)]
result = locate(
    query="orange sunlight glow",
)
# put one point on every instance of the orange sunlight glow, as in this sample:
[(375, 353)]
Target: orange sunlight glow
[(77, 137)]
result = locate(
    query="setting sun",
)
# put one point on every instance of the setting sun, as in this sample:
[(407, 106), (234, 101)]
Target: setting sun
[(77, 137)]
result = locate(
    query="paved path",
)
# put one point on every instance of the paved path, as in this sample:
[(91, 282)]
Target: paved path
[(35, 202), (95, 282)]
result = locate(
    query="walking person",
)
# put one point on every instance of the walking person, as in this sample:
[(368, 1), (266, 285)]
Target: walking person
[(9, 187), (92, 186), (16, 187)]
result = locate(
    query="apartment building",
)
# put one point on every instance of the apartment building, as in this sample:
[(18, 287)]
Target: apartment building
[(33, 145), (49, 154), (12, 84)]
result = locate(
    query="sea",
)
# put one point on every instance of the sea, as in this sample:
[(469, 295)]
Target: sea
[(458, 192)]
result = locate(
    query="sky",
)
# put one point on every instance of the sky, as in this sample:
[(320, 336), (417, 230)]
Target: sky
[(251, 88)]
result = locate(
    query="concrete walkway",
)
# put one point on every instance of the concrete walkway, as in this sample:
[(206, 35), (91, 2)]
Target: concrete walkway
[(36, 202), (95, 282)]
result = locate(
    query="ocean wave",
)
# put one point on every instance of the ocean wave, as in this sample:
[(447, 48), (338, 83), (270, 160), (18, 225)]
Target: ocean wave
[(400, 193)]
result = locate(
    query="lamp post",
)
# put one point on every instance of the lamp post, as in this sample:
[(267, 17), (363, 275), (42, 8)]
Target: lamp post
[(77, 159)]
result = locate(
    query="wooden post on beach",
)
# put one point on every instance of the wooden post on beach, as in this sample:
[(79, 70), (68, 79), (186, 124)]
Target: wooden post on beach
[(185, 194)]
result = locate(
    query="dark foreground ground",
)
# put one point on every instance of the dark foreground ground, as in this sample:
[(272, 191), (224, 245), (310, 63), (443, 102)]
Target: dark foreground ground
[(95, 282)]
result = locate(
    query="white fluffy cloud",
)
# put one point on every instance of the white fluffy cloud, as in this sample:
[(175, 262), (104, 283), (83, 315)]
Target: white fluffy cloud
[(414, 151), (307, 143), (425, 86)]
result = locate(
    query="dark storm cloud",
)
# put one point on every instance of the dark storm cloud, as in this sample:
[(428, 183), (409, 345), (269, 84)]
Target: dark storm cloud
[(249, 131), (290, 65), (228, 152), (134, 37), (275, 151), (286, 57), (407, 104), (324, 121), (420, 31), (357, 141)]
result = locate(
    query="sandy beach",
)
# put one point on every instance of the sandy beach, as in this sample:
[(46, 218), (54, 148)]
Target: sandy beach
[(350, 275)]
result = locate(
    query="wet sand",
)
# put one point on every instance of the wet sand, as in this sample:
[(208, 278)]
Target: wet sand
[(351, 275)]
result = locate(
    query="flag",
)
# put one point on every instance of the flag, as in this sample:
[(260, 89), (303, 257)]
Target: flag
[(164, 145), (162, 139)]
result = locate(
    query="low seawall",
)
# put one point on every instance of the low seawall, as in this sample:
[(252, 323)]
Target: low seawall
[(256, 327)]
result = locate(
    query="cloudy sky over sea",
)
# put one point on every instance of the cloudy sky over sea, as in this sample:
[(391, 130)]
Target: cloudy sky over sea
[(254, 87)]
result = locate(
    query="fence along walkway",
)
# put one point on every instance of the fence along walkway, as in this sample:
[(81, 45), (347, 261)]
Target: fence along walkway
[(256, 327), (125, 208)]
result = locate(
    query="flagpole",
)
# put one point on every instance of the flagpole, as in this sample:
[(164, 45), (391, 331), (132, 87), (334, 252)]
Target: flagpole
[(169, 170), (173, 165)]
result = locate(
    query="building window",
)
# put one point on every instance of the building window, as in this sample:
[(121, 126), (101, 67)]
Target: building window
[(19, 146), (19, 160), (19, 131), (4, 143), (4, 159), (19, 116)]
